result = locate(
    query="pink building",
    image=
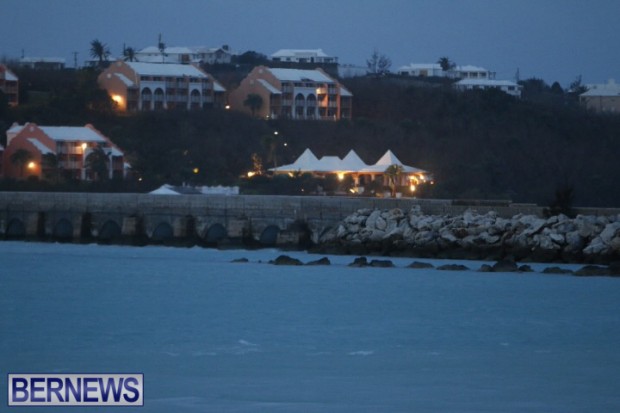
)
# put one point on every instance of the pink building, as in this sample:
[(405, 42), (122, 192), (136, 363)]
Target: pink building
[(69, 146), (9, 84)]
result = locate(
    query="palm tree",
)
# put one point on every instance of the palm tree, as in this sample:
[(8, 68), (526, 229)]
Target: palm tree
[(20, 158), (393, 173), (129, 54), (254, 102), (100, 51), (50, 166), (446, 64), (270, 142), (98, 162)]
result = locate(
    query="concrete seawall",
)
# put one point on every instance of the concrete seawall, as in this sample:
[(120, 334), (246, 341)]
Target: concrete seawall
[(209, 219)]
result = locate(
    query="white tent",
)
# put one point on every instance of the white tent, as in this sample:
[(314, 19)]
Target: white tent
[(387, 160), (305, 163)]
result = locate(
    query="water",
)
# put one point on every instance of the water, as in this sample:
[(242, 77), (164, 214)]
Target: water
[(215, 336)]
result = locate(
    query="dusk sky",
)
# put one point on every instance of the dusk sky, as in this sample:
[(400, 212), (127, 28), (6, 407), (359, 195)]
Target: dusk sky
[(548, 39)]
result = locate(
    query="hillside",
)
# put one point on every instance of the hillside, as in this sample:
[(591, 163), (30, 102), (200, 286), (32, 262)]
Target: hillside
[(477, 144)]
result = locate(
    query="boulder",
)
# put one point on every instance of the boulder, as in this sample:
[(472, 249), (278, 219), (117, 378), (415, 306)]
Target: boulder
[(285, 260), (381, 263), (238, 260), (320, 261), (485, 268), (525, 268), (359, 262), (452, 267), (372, 219), (505, 266), (592, 270), (420, 265)]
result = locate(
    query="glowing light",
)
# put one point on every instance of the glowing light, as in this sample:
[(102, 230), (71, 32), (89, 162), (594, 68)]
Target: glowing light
[(340, 176), (251, 174), (227, 107), (118, 99), (412, 187), (31, 165), (196, 170), (84, 146)]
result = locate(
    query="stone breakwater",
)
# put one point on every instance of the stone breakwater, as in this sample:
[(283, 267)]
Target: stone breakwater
[(471, 235)]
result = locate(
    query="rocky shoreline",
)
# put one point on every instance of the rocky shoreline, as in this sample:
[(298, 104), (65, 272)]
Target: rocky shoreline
[(473, 236)]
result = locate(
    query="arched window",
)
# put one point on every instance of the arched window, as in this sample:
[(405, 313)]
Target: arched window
[(159, 98), (147, 98), (195, 99)]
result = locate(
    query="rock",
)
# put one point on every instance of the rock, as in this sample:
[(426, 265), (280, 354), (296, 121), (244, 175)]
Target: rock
[(341, 231), (574, 242), (488, 238), (381, 263), (447, 235), (240, 260), (395, 214), (610, 232), (505, 266), (380, 223), (557, 238), (525, 268), (596, 247), (452, 267), (532, 224), (415, 210), (372, 219), (359, 262), (376, 235), (591, 271), (420, 265), (557, 270), (285, 260), (320, 261), (485, 268)]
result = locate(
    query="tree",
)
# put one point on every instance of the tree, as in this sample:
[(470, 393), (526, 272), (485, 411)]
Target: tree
[(446, 64), (254, 102), (99, 51), (98, 162), (393, 173), (270, 142), (50, 166), (576, 87), (257, 164), (378, 64), (129, 54), (20, 158)]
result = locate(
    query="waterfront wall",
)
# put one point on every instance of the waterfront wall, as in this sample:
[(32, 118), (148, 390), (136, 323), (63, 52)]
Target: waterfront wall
[(211, 219)]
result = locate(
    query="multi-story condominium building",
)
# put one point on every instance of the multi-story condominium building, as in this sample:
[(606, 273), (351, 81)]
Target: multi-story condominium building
[(185, 55), (54, 63), (303, 56), (9, 85), (137, 86), (70, 147), (602, 97), (505, 86), (434, 69), (293, 93)]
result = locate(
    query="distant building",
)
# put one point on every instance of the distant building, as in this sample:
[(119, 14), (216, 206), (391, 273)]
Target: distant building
[(602, 97), (70, 146), (505, 86), (293, 93), (9, 85), (50, 63), (435, 70), (422, 70), (137, 86), (303, 56), (185, 55)]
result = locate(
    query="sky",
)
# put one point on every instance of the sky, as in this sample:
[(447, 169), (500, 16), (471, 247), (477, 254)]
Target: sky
[(556, 40)]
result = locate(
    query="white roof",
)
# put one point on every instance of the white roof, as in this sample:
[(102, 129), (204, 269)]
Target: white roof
[(42, 60), (421, 66), (344, 91), (352, 162), (72, 133), (217, 86), (8, 75), (389, 159), (270, 88), (486, 82), (299, 75), (165, 189), (306, 162), (166, 69), (299, 53), (124, 79), (40, 146), (470, 68)]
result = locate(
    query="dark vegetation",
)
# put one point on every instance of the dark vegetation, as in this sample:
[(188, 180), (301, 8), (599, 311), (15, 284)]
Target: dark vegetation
[(544, 148)]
